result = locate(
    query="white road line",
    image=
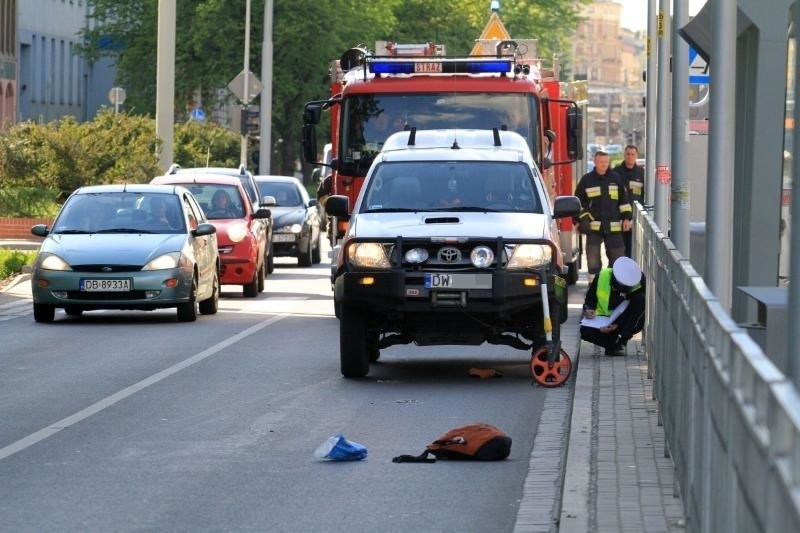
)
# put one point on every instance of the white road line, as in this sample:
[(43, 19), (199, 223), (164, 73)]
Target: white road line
[(71, 420)]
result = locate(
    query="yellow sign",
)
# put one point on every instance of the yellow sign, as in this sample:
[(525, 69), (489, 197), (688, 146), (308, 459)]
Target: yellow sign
[(494, 30)]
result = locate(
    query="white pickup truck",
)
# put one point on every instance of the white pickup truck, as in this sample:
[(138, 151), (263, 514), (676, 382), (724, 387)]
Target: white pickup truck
[(450, 242)]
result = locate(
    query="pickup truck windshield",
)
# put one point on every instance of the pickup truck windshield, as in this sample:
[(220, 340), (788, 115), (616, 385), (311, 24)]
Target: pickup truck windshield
[(452, 186)]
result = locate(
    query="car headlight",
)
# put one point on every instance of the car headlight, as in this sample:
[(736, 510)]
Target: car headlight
[(482, 256), (237, 232), (530, 256), (53, 262), (293, 228), (164, 262), (368, 255)]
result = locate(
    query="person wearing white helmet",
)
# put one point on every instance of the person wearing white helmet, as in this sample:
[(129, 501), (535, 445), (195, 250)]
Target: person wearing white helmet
[(622, 282)]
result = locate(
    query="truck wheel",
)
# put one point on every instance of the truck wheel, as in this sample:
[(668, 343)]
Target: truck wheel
[(353, 353)]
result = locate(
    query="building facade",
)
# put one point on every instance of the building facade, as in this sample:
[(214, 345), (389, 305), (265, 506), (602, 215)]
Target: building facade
[(8, 62), (611, 59), (53, 80)]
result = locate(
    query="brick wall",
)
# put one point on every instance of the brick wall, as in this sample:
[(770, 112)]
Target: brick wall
[(20, 228)]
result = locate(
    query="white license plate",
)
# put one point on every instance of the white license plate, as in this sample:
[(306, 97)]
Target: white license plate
[(105, 285), (439, 280), (283, 237)]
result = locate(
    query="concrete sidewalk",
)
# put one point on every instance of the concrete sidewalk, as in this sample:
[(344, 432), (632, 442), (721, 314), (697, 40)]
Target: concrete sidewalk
[(617, 478)]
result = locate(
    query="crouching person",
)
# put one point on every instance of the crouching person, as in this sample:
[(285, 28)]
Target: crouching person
[(619, 288)]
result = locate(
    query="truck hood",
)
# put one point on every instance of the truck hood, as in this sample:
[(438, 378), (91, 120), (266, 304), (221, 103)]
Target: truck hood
[(448, 224)]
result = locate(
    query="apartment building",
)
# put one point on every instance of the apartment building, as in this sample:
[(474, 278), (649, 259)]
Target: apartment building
[(53, 80), (612, 59)]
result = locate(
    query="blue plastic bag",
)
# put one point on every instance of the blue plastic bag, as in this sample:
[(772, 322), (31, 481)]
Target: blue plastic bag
[(338, 448)]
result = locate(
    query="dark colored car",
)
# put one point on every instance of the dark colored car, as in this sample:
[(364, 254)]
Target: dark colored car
[(127, 247), (296, 231)]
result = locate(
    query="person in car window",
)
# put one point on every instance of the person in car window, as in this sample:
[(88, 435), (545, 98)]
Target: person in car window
[(450, 198), (220, 205), (158, 213)]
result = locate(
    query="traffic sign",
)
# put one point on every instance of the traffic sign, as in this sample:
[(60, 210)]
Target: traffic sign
[(198, 114), (253, 86), (698, 68)]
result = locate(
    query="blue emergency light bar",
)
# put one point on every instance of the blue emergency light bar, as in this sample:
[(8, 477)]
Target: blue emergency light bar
[(394, 66)]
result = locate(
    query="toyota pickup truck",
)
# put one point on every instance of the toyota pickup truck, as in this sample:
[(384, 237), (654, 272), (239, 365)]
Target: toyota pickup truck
[(451, 241)]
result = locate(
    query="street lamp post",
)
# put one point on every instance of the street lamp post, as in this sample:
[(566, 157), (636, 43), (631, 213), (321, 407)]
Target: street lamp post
[(246, 85)]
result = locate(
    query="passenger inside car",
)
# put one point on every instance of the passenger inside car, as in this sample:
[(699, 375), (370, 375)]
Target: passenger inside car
[(221, 206)]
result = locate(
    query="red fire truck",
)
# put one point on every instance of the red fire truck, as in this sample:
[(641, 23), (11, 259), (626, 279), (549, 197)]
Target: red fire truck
[(396, 87)]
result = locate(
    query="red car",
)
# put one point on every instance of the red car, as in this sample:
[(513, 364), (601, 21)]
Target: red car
[(243, 236)]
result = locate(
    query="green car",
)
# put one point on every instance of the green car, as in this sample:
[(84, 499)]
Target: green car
[(141, 247)]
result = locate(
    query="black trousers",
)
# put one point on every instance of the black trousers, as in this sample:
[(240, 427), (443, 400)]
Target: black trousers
[(627, 237), (629, 323)]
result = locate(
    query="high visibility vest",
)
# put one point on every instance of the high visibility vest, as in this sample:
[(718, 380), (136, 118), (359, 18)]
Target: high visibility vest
[(603, 292)]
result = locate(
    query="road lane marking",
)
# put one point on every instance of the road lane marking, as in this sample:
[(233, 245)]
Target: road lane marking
[(108, 401)]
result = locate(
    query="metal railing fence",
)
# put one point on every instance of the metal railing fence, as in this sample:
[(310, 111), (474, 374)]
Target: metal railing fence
[(731, 418)]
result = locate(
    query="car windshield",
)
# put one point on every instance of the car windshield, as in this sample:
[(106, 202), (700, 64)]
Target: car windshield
[(120, 212), (218, 201), (452, 186), (286, 194)]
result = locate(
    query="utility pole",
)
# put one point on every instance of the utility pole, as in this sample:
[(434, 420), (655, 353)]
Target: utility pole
[(246, 89), (165, 81), (265, 147)]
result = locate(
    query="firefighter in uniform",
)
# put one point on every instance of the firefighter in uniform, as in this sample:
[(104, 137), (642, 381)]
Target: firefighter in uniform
[(633, 177), (624, 281), (605, 214)]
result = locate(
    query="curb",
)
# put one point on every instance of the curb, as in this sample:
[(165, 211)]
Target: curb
[(576, 497), (21, 278)]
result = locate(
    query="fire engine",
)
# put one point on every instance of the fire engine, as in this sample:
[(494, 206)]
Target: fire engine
[(403, 86)]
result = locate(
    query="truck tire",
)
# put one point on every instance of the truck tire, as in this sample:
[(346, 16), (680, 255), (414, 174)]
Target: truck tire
[(353, 352)]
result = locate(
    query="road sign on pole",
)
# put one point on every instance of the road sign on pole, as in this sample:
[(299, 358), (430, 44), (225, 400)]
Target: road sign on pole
[(117, 97), (253, 86), (698, 68)]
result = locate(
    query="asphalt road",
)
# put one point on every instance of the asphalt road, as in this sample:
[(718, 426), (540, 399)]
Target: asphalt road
[(131, 421)]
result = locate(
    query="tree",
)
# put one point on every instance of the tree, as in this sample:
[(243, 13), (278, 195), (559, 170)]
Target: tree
[(307, 34)]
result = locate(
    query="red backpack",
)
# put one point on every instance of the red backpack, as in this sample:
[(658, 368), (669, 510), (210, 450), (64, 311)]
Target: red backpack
[(476, 442)]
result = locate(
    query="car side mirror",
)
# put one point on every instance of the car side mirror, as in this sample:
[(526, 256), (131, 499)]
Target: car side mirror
[(566, 206), (268, 201), (40, 230), (312, 202), (262, 212), (337, 206), (204, 229)]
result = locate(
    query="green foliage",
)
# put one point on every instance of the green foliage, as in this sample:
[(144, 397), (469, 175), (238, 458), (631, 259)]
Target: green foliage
[(28, 202), (307, 34), (12, 261), (202, 145), (64, 155), (41, 164)]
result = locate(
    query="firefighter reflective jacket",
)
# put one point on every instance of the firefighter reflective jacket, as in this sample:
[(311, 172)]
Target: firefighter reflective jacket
[(633, 178), (604, 201)]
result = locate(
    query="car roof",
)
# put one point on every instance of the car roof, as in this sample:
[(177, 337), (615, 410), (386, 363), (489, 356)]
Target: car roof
[(462, 138), (176, 169), (274, 178), (130, 187), (218, 179)]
